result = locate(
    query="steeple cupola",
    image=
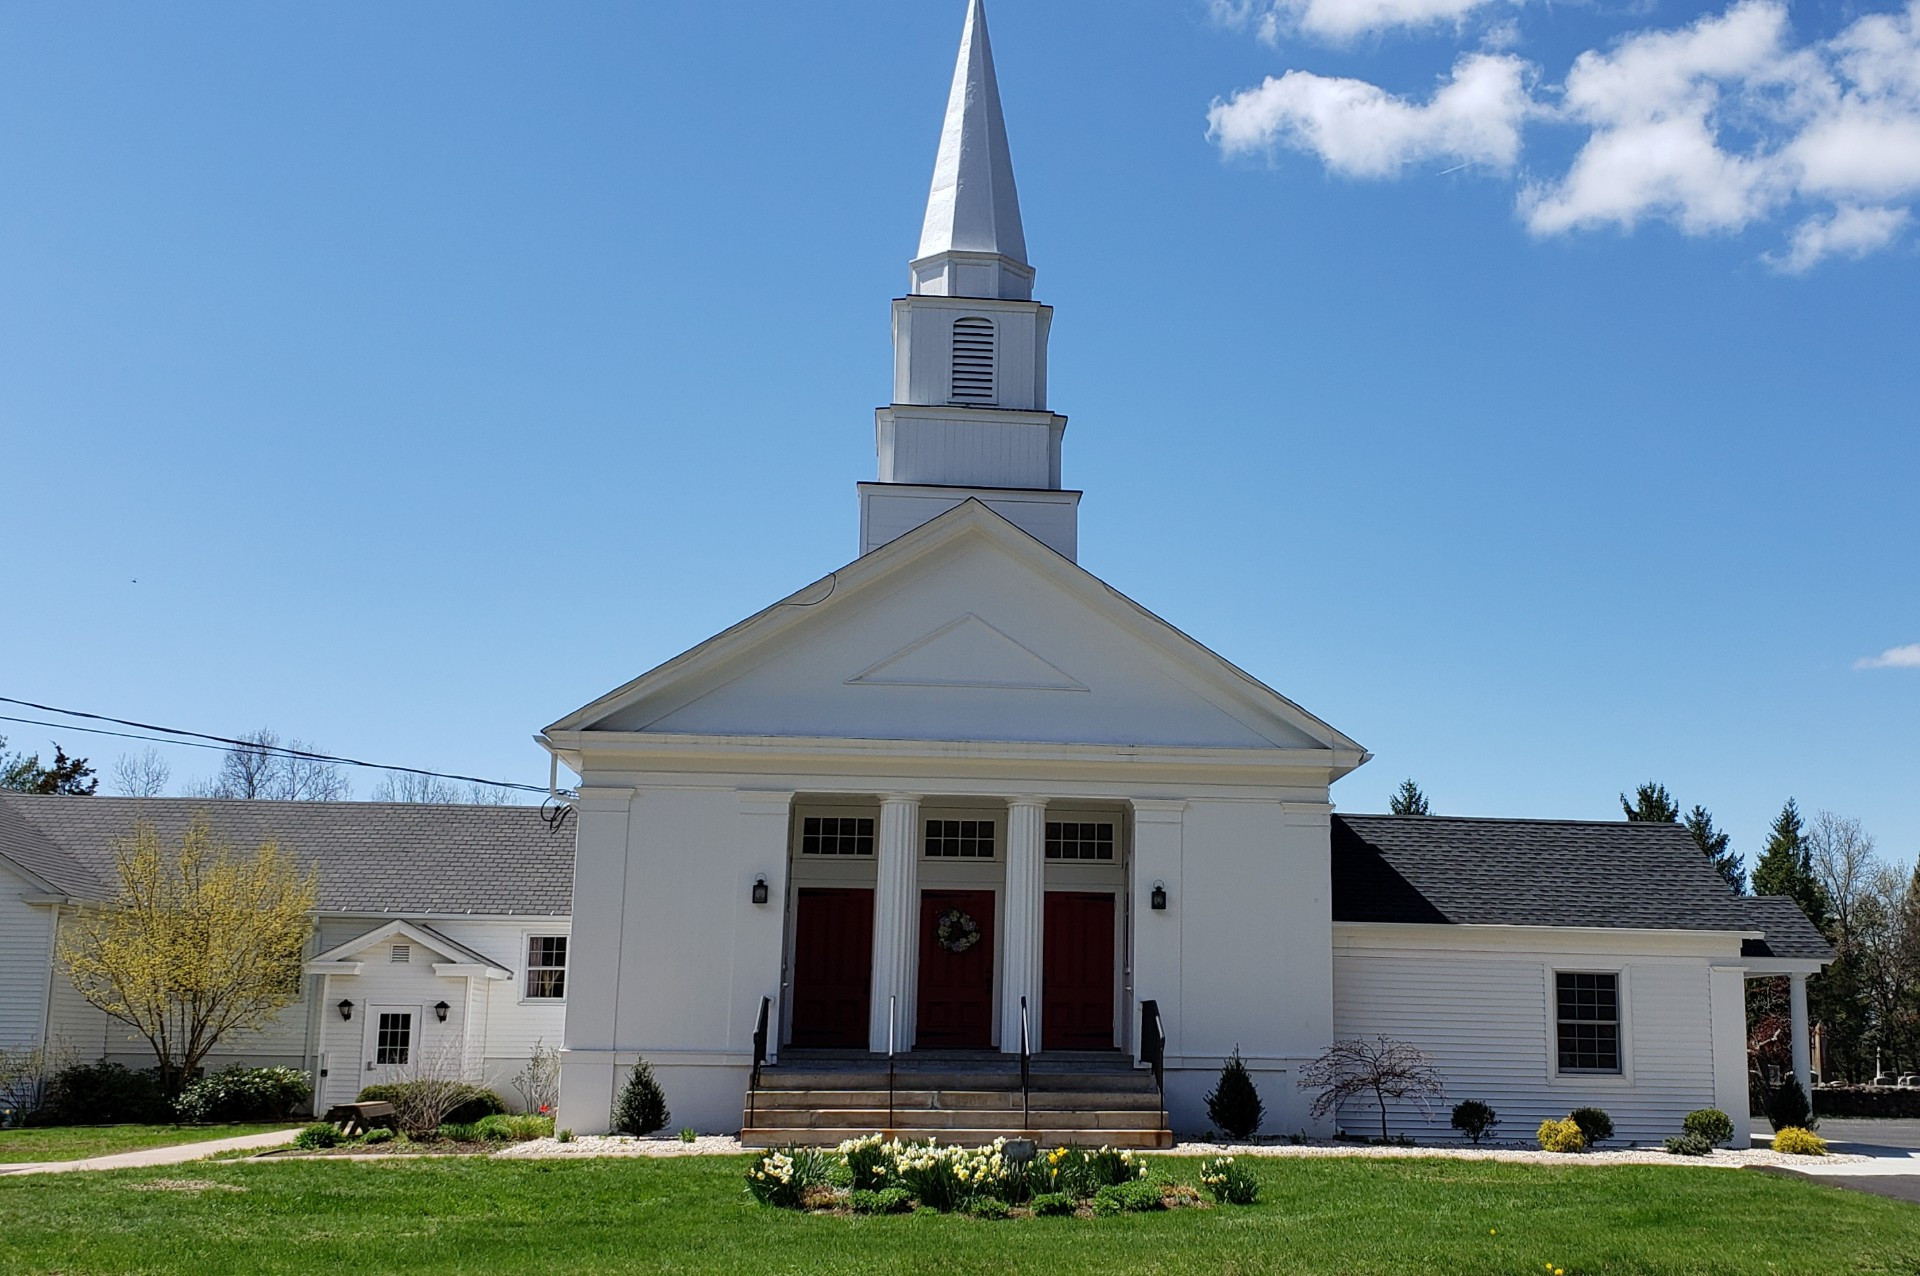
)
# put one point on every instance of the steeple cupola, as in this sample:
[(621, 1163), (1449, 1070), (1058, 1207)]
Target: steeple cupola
[(969, 417)]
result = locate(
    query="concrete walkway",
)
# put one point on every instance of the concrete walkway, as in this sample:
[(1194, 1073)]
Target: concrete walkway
[(174, 1155)]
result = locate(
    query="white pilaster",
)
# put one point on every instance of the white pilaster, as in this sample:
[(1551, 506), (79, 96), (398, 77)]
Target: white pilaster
[(896, 921), (1802, 1042), (1158, 835), (1020, 963), (1727, 1009), (593, 1031)]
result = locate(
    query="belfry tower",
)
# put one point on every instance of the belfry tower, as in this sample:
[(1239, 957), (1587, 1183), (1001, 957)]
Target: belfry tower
[(969, 416)]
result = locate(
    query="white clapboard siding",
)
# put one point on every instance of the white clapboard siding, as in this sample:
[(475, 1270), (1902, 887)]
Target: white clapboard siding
[(1486, 1021), (23, 961)]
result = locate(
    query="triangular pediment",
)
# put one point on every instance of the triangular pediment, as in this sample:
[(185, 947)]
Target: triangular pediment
[(967, 652), (965, 629)]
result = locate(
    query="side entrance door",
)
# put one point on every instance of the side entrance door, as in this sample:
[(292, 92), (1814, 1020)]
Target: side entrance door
[(956, 973), (832, 966), (1077, 972), (392, 1041)]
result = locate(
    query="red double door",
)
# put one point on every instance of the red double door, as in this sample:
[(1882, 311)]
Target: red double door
[(956, 970), (1077, 973)]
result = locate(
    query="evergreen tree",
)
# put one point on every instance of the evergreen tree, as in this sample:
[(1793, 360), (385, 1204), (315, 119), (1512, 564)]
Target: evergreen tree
[(641, 1108), (22, 773), (1713, 844), (1785, 866), (1234, 1104), (1651, 804), (1409, 800)]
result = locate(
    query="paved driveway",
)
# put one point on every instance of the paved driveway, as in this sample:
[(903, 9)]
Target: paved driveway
[(1895, 1145), (1866, 1134)]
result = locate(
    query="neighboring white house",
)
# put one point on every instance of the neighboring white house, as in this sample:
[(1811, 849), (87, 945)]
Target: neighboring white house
[(441, 930), (961, 775)]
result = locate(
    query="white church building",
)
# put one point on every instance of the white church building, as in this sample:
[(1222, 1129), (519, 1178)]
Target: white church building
[(960, 796)]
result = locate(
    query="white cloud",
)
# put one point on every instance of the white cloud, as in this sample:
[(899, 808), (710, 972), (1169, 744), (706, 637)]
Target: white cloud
[(1361, 130), (1848, 232), (1722, 124), (1341, 20), (1907, 657)]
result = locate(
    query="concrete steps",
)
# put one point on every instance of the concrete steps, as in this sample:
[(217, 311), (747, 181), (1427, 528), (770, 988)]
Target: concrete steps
[(827, 1136)]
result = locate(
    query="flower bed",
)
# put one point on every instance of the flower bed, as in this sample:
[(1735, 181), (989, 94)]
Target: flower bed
[(1004, 1179)]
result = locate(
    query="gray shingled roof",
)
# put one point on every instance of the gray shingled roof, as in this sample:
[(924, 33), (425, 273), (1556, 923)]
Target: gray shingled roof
[(1790, 933), (1413, 868), (383, 857)]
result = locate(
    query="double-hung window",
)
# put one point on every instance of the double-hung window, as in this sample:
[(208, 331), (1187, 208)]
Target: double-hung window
[(546, 967), (1587, 1020)]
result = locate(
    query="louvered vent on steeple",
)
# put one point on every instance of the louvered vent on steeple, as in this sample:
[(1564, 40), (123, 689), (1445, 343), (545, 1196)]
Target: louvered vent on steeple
[(973, 361)]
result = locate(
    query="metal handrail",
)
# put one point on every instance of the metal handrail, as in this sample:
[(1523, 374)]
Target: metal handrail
[(759, 1054), (891, 1004), (1026, 1071), (1153, 1049)]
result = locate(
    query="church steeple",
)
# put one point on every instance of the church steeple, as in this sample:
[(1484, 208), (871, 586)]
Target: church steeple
[(969, 417), (972, 244)]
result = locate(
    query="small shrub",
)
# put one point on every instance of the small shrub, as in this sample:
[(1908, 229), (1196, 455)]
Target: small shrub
[(1127, 1198), (990, 1207), (467, 1103), (1561, 1136), (1711, 1124), (1596, 1127), (564, 1136), (240, 1093), (1234, 1103), (887, 1200), (869, 1162), (501, 1127), (688, 1135), (103, 1094), (1474, 1119), (1228, 1182), (460, 1132), (1789, 1108), (316, 1136), (379, 1134), (1690, 1145), (642, 1107), (1798, 1141), (1053, 1204), (782, 1179)]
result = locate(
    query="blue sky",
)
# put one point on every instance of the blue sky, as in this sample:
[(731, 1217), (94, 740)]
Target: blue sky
[(435, 368)]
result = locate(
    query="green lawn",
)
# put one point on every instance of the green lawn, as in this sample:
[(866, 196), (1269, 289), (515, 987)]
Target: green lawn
[(75, 1142), (690, 1215)]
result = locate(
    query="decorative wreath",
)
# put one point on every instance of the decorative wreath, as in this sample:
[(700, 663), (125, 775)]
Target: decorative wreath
[(957, 932)]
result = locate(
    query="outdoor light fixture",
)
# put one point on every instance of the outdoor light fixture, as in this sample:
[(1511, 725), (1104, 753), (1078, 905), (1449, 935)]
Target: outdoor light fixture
[(1159, 897), (346, 1009), (441, 1010), (760, 889)]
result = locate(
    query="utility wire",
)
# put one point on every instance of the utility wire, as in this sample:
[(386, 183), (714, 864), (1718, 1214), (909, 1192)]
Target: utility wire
[(224, 743)]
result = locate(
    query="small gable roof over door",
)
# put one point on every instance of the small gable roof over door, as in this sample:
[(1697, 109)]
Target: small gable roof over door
[(965, 629)]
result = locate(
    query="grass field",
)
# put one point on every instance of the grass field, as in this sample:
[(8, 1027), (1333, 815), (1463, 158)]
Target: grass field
[(689, 1215), (76, 1142)]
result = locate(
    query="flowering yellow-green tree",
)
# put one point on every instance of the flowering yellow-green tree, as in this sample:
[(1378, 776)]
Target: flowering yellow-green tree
[(201, 941)]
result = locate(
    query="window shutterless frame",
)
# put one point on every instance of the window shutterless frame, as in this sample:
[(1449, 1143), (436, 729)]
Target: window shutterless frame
[(1588, 1025), (546, 968)]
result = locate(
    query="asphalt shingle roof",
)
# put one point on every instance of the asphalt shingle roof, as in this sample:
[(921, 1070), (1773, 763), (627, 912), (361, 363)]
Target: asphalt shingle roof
[(1789, 931), (1416, 868), (382, 857)]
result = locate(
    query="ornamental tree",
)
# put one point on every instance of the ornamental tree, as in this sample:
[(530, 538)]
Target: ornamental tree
[(200, 942), (1381, 1066)]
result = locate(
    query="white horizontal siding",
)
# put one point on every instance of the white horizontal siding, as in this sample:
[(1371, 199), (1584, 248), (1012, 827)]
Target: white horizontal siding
[(23, 961), (1486, 1020)]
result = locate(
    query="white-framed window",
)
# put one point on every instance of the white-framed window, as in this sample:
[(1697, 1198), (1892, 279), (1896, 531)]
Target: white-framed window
[(546, 968), (1587, 1021), (393, 1038), (959, 839), (836, 835), (1084, 840)]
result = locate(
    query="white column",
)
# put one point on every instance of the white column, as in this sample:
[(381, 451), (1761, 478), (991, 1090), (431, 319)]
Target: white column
[(1020, 972), (896, 921), (1158, 838), (1802, 1041), (1727, 1015)]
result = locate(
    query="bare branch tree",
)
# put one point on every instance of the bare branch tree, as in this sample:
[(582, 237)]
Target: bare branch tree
[(539, 1082), (143, 774), (1382, 1067), (432, 1084), (1843, 860), (258, 768), (401, 786)]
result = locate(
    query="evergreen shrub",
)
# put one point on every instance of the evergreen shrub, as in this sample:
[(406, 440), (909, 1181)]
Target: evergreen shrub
[(1234, 1103), (1789, 1108), (1561, 1136), (1798, 1141), (1596, 1127), (1474, 1119), (642, 1107), (104, 1094), (1711, 1124), (1690, 1145), (240, 1093)]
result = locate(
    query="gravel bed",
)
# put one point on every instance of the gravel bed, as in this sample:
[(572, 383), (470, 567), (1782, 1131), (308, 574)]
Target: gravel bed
[(1720, 1158)]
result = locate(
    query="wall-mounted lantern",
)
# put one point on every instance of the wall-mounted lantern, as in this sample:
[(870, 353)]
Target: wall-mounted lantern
[(760, 889), (441, 1010), (346, 1009), (1159, 897)]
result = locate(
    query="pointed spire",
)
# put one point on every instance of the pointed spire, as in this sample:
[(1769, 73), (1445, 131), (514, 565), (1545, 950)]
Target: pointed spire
[(973, 207)]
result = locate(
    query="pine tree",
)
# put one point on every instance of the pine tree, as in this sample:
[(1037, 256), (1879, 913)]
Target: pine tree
[(1409, 800), (1785, 866), (1714, 844), (1651, 804), (1234, 1105), (641, 1108)]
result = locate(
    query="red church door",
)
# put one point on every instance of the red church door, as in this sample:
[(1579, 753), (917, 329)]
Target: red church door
[(1077, 972), (956, 988), (832, 966)]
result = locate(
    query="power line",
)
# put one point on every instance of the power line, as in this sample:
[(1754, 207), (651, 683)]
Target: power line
[(223, 743)]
